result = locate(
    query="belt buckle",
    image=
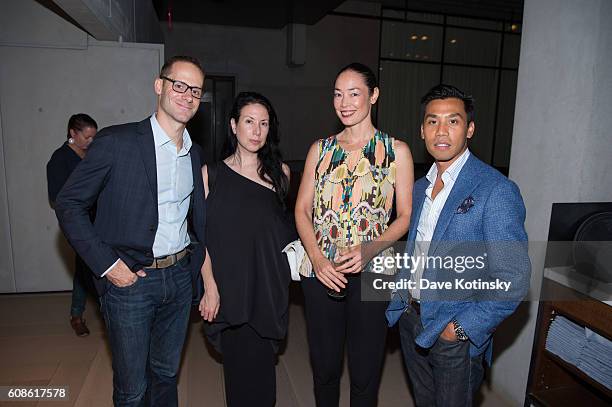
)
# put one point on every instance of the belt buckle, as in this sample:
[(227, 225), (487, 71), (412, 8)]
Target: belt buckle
[(167, 261)]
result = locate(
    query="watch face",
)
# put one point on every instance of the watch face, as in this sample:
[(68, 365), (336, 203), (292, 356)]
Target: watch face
[(459, 332)]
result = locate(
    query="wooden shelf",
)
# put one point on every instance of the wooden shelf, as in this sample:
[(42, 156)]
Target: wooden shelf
[(552, 380), (567, 396), (588, 313), (579, 374)]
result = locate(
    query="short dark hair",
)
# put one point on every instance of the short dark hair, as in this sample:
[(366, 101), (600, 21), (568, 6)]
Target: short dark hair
[(79, 121), (179, 58), (443, 91), (367, 74)]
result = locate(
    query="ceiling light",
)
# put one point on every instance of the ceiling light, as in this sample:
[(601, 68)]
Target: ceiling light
[(414, 37), (453, 41), (424, 38)]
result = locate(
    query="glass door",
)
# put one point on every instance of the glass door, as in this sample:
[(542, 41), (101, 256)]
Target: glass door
[(210, 125)]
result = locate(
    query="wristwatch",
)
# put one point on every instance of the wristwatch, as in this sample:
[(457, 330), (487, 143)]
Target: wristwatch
[(459, 332)]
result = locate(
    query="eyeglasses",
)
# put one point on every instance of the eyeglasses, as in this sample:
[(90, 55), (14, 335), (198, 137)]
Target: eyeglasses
[(182, 87)]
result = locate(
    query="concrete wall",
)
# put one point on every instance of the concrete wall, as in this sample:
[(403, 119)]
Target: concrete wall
[(257, 58), (115, 20), (561, 143), (47, 74)]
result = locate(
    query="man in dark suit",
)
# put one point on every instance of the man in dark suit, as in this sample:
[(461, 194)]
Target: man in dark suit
[(462, 208), (146, 179)]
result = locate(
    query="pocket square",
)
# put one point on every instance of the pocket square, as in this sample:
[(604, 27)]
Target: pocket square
[(465, 205)]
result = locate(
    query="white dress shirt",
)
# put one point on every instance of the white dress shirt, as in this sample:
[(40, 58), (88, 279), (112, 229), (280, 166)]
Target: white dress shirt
[(430, 214)]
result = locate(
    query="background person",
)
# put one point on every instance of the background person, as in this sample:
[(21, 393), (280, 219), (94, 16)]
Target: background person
[(81, 131)]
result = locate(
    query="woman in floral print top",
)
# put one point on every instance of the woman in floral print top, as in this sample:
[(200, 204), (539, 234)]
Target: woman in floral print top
[(351, 181)]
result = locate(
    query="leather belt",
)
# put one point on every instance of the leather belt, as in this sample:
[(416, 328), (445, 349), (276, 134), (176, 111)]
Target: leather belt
[(167, 261)]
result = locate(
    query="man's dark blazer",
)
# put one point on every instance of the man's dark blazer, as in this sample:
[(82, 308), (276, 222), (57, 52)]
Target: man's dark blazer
[(119, 173)]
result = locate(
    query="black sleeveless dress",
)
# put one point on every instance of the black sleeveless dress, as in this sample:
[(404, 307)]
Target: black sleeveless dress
[(246, 230)]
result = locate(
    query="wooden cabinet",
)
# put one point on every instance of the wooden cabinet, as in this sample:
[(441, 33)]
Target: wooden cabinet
[(552, 381)]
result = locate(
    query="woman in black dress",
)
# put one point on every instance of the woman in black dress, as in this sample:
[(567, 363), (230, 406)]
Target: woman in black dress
[(81, 130), (247, 227)]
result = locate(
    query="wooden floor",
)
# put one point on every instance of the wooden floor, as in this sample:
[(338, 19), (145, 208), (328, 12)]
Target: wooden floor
[(38, 347)]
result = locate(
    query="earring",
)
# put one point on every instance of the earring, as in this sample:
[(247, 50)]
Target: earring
[(70, 140)]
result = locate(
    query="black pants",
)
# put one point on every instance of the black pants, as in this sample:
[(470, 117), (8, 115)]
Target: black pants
[(248, 367), (329, 323), (442, 376)]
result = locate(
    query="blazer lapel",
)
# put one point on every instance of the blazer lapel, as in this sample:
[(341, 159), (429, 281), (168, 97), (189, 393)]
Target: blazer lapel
[(466, 181), (196, 169), (418, 199), (147, 148)]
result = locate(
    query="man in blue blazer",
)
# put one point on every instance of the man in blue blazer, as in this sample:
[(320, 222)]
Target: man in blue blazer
[(461, 207), (146, 178)]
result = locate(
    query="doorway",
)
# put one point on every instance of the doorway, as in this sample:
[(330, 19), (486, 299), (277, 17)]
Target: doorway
[(210, 125)]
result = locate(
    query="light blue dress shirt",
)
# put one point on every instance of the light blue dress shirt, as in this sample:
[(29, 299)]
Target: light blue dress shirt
[(174, 189)]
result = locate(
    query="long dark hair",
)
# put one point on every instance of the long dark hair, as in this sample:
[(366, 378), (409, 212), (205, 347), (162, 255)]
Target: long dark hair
[(270, 158)]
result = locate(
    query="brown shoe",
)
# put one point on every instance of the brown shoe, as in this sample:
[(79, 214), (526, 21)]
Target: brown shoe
[(78, 324)]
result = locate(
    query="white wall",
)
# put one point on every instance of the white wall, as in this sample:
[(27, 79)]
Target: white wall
[(257, 59), (562, 148), (46, 75)]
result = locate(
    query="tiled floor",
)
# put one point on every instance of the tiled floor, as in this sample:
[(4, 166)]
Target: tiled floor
[(38, 347)]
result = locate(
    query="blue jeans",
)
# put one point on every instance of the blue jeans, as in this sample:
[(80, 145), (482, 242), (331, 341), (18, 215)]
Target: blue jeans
[(82, 285), (146, 325), (444, 375)]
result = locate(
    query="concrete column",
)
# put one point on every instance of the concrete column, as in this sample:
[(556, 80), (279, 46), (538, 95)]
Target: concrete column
[(562, 147)]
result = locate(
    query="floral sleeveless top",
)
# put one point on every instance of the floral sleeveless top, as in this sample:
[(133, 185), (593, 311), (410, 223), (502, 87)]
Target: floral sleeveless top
[(354, 191)]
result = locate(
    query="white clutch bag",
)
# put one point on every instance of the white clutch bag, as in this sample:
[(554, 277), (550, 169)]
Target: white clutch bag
[(299, 263)]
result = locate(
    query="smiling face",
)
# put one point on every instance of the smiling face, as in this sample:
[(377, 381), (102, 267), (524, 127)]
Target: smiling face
[(174, 106), (252, 127), (445, 130), (352, 99)]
